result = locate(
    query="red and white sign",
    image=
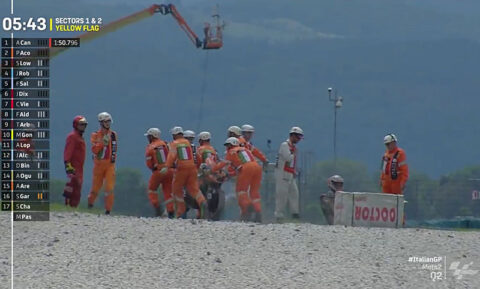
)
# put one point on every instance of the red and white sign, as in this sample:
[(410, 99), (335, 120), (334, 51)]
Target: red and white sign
[(368, 210)]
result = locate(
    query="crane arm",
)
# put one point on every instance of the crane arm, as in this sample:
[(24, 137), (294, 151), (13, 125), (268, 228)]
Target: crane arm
[(171, 9)]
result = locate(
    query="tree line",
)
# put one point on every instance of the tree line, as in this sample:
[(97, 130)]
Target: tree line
[(446, 197)]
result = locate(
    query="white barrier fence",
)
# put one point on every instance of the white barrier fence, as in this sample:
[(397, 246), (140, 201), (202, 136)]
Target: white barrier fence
[(368, 209)]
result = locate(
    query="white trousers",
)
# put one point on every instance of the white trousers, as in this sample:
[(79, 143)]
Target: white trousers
[(286, 194)]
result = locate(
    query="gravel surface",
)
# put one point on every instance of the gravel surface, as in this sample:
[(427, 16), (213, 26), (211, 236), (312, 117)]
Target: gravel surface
[(76, 250)]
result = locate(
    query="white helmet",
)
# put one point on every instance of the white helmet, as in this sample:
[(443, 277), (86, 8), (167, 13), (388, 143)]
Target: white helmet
[(389, 138), (176, 130), (247, 128), (104, 116), (153, 131), (189, 133), (296, 130), (204, 135), (232, 140), (334, 179), (235, 129)]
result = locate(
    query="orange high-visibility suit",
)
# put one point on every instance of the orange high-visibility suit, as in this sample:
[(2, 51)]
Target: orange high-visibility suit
[(394, 171), (156, 156), (104, 149), (249, 177), (185, 174), (241, 141), (255, 151), (204, 152)]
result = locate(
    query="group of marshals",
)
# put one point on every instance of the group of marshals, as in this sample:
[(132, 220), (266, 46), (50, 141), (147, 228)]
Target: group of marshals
[(175, 168)]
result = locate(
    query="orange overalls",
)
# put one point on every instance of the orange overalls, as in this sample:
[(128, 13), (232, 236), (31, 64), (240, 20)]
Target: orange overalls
[(394, 171), (249, 177), (185, 174), (104, 157), (255, 152), (241, 141), (204, 152), (156, 156)]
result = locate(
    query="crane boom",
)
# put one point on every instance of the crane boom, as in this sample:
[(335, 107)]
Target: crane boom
[(183, 24)]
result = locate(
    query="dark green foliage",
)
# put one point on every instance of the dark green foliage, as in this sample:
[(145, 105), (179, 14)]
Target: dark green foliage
[(131, 193), (446, 198), (356, 179)]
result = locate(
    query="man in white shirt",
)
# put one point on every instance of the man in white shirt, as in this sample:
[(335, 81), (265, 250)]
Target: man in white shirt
[(285, 175)]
